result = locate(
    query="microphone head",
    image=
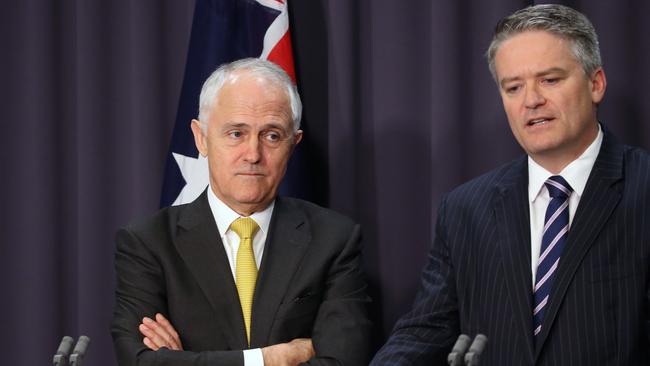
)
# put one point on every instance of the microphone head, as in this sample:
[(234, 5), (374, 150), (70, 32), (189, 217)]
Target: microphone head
[(65, 346), (461, 343), (479, 344), (455, 357), (473, 356), (82, 345), (79, 351)]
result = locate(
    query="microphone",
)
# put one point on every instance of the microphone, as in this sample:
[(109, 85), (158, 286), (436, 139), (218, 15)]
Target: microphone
[(455, 358), (79, 351), (473, 356), (61, 355)]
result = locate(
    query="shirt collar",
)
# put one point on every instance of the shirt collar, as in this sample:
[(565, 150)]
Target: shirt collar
[(576, 173), (224, 215)]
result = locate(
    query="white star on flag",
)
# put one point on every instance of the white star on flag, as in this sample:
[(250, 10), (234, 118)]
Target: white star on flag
[(195, 173)]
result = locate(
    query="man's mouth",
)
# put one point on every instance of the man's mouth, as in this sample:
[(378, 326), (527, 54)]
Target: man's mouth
[(251, 174), (539, 121)]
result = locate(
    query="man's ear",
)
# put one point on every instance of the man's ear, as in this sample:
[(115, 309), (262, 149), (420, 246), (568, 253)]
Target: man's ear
[(295, 140), (598, 84), (200, 138), (297, 137)]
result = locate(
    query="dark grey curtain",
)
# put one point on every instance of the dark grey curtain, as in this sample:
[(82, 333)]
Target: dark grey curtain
[(399, 109), (89, 91)]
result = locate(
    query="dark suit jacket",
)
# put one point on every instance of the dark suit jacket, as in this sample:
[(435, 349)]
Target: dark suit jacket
[(310, 285), (478, 278)]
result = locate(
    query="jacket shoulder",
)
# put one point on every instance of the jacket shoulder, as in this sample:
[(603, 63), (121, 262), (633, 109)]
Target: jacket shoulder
[(636, 171), (487, 184), (155, 219), (317, 214), (636, 157), (157, 227)]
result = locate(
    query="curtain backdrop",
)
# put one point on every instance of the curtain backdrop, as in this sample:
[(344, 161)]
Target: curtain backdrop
[(89, 90), (399, 109)]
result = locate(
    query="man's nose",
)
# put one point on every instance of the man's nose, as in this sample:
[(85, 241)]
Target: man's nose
[(253, 152), (533, 97)]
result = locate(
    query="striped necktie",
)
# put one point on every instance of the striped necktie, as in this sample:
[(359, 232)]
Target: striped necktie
[(245, 268), (556, 231)]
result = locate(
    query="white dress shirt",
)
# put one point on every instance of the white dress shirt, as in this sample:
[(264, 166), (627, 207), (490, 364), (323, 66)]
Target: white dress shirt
[(224, 216), (576, 174)]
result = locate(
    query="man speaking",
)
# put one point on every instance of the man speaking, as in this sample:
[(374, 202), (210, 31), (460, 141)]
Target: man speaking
[(241, 276), (549, 255)]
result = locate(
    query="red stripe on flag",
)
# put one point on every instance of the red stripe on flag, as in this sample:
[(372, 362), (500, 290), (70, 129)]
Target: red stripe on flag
[(282, 55)]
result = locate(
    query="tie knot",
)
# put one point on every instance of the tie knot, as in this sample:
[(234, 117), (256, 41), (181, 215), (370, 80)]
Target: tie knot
[(245, 227), (558, 187)]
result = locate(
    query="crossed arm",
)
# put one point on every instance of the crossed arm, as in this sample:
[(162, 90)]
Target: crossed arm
[(159, 333)]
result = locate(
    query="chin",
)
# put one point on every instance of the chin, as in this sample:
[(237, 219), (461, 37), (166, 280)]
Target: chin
[(541, 147), (251, 198)]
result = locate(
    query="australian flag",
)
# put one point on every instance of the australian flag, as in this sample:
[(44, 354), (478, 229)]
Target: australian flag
[(222, 31)]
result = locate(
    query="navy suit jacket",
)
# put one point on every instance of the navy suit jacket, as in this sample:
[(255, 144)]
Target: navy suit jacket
[(478, 276), (309, 285)]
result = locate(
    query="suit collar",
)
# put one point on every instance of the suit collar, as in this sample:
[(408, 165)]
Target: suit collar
[(512, 219), (199, 244), (602, 194), (289, 236)]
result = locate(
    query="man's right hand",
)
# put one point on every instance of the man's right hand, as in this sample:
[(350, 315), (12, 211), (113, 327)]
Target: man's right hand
[(288, 354)]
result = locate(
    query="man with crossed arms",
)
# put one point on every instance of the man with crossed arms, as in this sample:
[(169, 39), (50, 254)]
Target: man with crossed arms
[(188, 287)]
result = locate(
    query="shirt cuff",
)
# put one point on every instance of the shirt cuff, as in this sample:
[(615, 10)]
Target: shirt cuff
[(253, 357)]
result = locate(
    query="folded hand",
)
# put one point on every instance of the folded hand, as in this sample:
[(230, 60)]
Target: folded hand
[(160, 333)]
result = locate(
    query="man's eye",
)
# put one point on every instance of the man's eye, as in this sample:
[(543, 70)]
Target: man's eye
[(551, 81), (272, 137), (512, 89), (235, 134)]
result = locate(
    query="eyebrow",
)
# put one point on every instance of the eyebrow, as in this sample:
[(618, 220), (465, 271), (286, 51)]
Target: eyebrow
[(268, 125), (542, 73), (277, 125), (229, 125)]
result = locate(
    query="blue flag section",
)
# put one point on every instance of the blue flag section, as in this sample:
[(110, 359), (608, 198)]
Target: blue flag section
[(222, 31)]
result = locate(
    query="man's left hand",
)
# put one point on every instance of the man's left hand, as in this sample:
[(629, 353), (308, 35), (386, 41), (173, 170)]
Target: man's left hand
[(160, 333)]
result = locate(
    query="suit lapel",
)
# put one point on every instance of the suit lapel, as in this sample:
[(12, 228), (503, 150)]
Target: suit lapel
[(199, 244), (513, 223), (289, 236), (600, 197)]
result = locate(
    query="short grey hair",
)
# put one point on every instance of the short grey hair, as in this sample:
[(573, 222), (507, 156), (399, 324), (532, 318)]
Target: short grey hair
[(559, 20), (264, 69)]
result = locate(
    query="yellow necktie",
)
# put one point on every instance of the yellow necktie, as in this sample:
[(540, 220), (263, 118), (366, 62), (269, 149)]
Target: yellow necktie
[(245, 268)]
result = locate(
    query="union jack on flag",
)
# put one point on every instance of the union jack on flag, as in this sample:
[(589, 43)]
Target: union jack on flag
[(222, 31)]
